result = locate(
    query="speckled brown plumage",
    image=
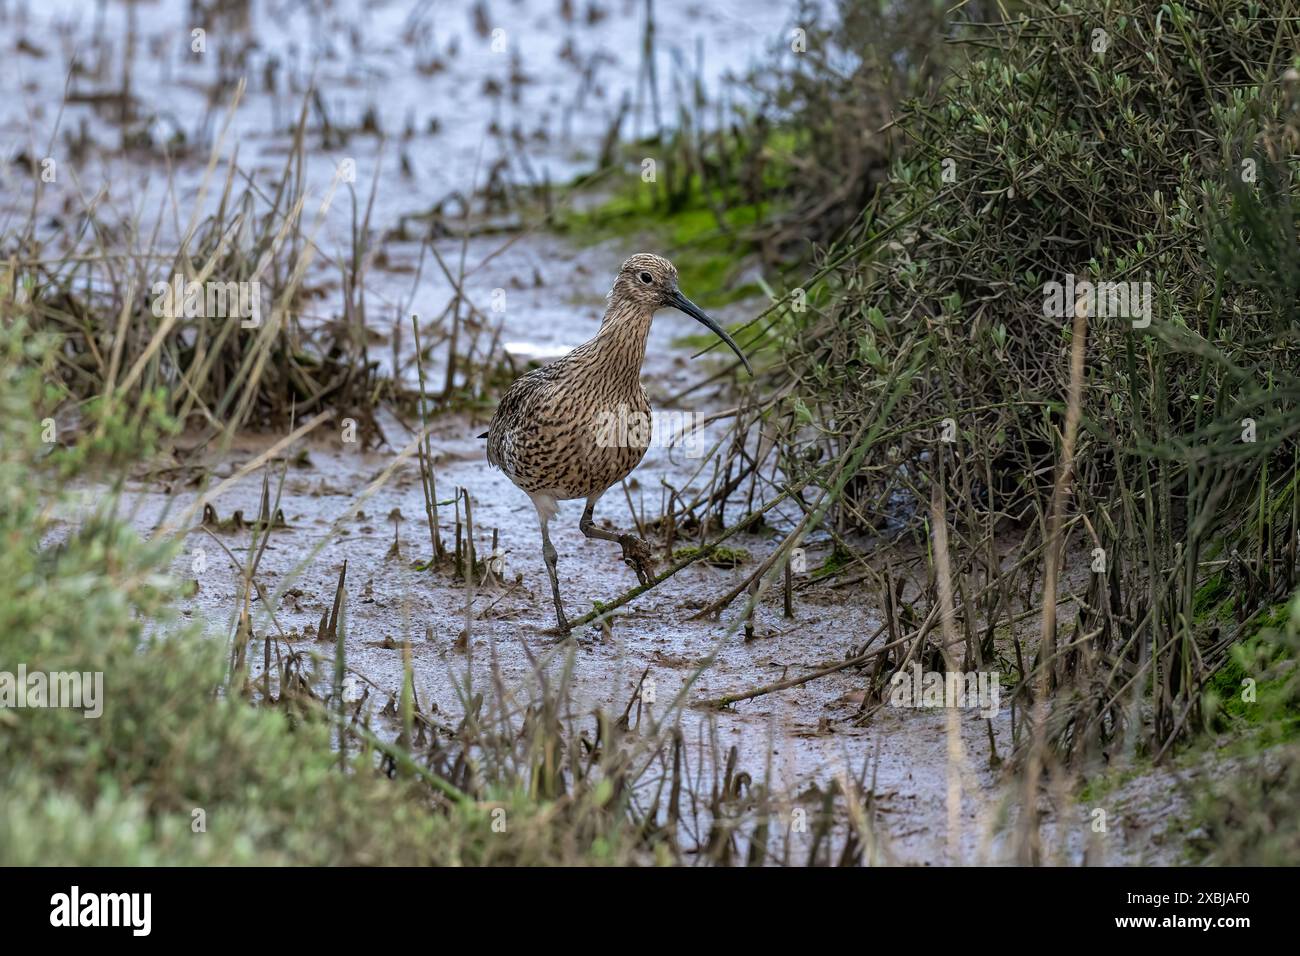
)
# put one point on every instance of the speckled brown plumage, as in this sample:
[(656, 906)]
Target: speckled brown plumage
[(577, 427), (549, 428)]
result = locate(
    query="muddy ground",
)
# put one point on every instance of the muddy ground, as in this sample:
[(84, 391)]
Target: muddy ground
[(800, 739), (448, 116)]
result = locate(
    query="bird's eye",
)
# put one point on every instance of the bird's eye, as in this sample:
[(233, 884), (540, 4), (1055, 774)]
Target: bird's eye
[(646, 277)]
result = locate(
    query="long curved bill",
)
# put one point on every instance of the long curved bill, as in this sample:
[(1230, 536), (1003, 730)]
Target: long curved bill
[(683, 304)]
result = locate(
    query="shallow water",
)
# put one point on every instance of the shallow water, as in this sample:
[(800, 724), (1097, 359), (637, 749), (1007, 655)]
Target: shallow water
[(807, 733), (799, 740), (433, 85)]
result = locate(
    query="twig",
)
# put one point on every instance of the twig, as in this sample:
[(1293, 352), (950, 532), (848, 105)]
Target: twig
[(704, 551)]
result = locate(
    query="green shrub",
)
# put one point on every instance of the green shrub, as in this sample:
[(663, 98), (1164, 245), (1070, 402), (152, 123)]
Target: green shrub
[(79, 591)]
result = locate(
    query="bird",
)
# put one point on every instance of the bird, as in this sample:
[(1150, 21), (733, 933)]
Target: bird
[(578, 426)]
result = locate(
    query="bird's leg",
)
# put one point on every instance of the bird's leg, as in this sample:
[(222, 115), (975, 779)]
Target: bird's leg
[(548, 555), (636, 553)]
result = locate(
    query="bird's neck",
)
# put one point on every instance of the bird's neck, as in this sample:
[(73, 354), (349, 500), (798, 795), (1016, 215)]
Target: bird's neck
[(621, 341)]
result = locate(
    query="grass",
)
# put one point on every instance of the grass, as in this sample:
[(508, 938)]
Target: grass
[(1036, 442), (954, 269), (202, 757), (700, 240), (125, 788), (1248, 817), (1232, 779)]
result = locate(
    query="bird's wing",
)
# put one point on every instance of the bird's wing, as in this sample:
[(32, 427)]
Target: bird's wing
[(519, 407)]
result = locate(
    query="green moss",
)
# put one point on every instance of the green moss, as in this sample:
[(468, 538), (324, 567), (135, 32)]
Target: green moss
[(1213, 599), (836, 561), (721, 556), (1239, 729), (1108, 781), (706, 241), (1258, 686)]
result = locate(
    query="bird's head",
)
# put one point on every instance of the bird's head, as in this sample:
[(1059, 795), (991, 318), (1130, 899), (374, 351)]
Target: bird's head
[(650, 282)]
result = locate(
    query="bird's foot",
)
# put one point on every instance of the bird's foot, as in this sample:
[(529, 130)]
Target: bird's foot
[(561, 628), (638, 556)]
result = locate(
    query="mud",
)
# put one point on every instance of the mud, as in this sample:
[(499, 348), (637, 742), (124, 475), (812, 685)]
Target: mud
[(432, 101), (799, 740)]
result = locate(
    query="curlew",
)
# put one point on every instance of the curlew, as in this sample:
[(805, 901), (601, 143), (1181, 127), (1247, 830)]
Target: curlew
[(578, 426)]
